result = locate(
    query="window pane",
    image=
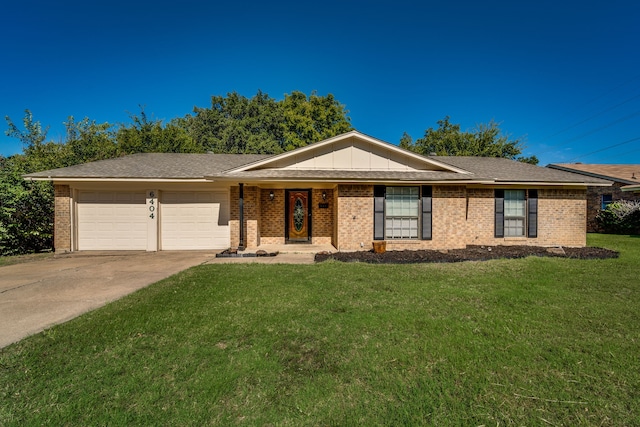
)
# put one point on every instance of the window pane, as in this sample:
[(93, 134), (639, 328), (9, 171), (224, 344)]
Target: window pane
[(402, 209), (514, 212)]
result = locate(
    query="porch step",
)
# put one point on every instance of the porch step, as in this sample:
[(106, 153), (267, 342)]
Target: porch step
[(292, 249)]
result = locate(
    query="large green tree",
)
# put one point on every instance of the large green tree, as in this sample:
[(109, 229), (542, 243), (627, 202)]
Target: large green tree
[(312, 119), (149, 135), (26, 207), (26, 211), (262, 125), (485, 140), (237, 124)]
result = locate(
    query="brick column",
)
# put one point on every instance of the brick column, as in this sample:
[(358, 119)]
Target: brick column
[(62, 222)]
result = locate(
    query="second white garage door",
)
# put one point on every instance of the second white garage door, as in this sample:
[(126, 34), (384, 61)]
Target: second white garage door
[(195, 220)]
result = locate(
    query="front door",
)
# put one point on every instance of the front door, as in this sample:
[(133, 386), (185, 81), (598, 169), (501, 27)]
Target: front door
[(298, 216)]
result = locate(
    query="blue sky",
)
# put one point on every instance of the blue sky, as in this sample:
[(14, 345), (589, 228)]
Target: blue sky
[(563, 75)]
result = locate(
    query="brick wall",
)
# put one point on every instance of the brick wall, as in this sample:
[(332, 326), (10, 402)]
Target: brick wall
[(461, 216), (322, 219), (449, 221), (272, 217), (354, 217), (449, 226), (62, 223), (594, 202), (561, 219)]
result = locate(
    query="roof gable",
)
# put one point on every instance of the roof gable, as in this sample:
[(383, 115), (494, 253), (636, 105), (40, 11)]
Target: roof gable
[(351, 151)]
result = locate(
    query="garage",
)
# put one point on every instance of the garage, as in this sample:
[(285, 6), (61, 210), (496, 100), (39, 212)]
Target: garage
[(194, 220), (109, 220)]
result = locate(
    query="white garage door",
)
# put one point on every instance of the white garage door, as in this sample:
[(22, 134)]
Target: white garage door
[(194, 220), (112, 220)]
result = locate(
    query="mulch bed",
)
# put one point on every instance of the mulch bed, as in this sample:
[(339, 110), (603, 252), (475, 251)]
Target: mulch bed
[(470, 253)]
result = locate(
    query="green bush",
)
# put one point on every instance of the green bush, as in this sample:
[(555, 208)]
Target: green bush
[(621, 217), (26, 210)]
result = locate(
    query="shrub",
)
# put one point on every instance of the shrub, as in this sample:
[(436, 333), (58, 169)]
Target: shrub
[(621, 217)]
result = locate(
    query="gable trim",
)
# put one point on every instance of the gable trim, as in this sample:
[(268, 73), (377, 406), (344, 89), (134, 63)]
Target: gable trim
[(353, 133)]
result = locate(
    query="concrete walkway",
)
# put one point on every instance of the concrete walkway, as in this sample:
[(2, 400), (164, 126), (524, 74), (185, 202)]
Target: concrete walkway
[(39, 294), (287, 254)]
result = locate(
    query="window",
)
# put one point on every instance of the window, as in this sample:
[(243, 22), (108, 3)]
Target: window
[(402, 212), (514, 212), (607, 199)]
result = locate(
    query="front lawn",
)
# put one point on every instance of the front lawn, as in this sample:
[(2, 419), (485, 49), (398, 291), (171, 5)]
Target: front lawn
[(535, 341)]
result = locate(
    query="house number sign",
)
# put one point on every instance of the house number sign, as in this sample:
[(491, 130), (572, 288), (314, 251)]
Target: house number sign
[(152, 204)]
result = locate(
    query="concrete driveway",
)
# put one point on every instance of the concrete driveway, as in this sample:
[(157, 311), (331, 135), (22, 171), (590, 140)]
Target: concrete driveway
[(39, 294)]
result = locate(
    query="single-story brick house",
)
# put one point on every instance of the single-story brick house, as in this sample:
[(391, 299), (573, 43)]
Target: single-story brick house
[(599, 197), (347, 191)]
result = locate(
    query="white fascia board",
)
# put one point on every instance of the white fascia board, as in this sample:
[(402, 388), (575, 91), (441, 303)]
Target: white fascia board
[(347, 135), (73, 179), (550, 184), (347, 180)]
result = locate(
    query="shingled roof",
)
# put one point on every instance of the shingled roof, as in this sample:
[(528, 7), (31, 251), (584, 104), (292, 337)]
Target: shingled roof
[(499, 169), (153, 166), (215, 166), (627, 174), (349, 157)]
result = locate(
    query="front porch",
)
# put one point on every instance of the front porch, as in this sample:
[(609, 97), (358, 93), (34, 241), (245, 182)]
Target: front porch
[(296, 219)]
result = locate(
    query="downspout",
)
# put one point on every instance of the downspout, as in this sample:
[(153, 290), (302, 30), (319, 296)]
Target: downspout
[(241, 244)]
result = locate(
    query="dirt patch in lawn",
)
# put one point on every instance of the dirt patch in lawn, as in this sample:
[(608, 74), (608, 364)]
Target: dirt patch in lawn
[(470, 253)]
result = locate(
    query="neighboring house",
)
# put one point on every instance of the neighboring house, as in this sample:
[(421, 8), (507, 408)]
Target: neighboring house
[(599, 197), (347, 191), (632, 188)]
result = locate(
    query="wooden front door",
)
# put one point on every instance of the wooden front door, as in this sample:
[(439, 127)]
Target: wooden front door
[(298, 218)]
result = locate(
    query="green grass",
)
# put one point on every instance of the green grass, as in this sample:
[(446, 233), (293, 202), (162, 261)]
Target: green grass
[(21, 259), (538, 341)]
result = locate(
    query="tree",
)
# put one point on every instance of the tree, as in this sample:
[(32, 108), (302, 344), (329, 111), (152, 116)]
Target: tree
[(406, 141), (485, 140), (26, 208), (145, 135), (31, 137), (88, 141), (312, 119), (262, 125), (236, 124)]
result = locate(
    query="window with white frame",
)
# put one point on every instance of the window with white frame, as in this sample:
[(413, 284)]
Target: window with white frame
[(402, 211), (514, 212)]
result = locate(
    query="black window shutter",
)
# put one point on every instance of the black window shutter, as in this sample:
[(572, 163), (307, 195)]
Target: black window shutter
[(427, 195), (499, 228), (532, 221), (378, 212)]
